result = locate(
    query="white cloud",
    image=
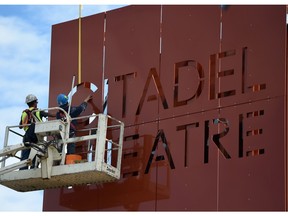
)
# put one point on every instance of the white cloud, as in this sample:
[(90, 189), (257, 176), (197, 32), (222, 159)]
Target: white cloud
[(18, 201), (18, 35), (24, 61), (54, 14)]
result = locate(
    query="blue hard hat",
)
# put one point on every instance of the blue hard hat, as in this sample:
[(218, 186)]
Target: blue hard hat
[(62, 99)]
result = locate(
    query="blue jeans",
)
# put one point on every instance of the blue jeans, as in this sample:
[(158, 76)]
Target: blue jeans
[(71, 148)]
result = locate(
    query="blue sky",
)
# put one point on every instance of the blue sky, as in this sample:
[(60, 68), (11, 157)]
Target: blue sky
[(25, 40)]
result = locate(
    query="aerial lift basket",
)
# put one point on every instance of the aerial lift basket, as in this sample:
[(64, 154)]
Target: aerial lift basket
[(102, 164)]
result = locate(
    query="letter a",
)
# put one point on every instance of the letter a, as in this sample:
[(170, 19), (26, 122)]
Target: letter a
[(160, 157)]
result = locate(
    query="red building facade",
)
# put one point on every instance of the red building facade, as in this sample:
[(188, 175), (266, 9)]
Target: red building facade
[(202, 91)]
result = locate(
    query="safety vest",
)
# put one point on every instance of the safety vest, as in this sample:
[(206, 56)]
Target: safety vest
[(26, 117)]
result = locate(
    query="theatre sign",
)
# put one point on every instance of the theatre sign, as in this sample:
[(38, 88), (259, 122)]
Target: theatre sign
[(202, 91)]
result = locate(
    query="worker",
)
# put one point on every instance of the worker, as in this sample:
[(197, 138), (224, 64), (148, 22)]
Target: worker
[(27, 118), (75, 111)]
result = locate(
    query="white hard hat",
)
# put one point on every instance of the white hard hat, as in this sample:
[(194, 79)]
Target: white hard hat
[(30, 98)]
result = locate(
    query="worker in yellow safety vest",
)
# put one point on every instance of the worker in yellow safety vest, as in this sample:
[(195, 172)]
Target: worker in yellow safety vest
[(27, 118)]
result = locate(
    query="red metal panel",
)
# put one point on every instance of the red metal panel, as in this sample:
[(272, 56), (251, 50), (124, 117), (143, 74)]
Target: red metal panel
[(253, 178), (252, 68), (92, 62), (193, 181), (190, 34), (252, 46), (132, 49), (64, 59)]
